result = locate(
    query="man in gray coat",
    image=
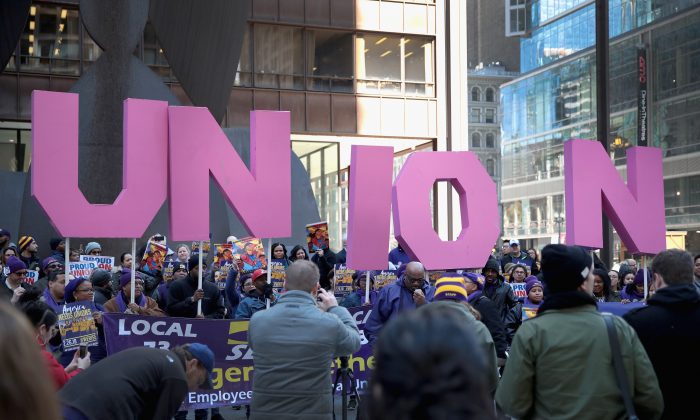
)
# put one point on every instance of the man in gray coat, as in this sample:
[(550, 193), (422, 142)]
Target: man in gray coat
[(293, 345)]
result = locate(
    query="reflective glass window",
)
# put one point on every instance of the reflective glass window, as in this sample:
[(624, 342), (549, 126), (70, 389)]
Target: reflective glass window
[(330, 61), (279, 57)]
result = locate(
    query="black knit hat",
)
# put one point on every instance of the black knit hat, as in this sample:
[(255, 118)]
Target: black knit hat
[(564, 268)]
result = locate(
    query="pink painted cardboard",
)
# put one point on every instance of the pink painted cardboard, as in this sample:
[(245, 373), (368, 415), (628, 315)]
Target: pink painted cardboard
[(261, 197), (55, 168), (371, 169), (593, 187), (478, 201)]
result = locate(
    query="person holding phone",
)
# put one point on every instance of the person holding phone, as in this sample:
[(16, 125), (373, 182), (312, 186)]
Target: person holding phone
[(291, 378)]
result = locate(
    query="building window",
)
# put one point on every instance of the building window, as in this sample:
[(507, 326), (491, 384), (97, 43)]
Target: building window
[(476, 140), (51, 41), (329, 63), (394, 65), (490, 167), (489, 95), (476, 94), (515, 17), (244, 72), (490, 115), (475, 115), (490, 143), (279, 57)]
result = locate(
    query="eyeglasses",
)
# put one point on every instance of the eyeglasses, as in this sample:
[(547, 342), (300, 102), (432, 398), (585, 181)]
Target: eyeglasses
[(85, 290), (21, 273), (54, 265), (139, 282)]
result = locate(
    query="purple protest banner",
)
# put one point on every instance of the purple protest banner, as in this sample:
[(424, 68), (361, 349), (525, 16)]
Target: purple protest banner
[(233, 361), (228, 339)]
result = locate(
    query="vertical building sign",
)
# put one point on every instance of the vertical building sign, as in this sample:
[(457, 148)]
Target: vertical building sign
[(642, 125)]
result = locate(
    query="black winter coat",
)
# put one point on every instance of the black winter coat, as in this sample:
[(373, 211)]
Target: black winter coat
[(180, 304), (669, 329), (491, 318)]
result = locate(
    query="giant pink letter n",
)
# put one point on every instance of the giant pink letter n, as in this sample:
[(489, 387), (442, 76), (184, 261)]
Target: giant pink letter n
[(478, 204), (593, 186), (260, 197), (55, 168)]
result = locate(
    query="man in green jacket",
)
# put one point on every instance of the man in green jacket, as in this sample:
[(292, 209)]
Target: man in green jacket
[(560, 365)]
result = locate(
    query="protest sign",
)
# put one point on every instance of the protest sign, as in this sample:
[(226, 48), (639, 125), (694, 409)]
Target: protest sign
[(32, 277), (434, 275), (220, 279), (228, 339), (224, 255), (278, 274), (383, 278), (343, 280), (206, 246), (249, 254), (518, 290), (105, 263), (77, 325), (153, 257), (81, 269), (317, 236)]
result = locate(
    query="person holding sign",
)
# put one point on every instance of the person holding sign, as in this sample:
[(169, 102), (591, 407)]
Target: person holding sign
[(81, 290), (535, 295), (14, 286), (409, 292), (357, 297), (142, 305), (551, 372), (183, 295), (45, 323)]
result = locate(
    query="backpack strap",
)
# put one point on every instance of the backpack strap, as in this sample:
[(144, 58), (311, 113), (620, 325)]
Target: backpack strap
[(620, 374)]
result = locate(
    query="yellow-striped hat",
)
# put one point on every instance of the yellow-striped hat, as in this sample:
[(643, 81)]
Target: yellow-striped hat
[(24, 242), (450, 287)]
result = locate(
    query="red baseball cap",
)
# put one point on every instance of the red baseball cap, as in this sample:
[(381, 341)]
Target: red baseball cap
[(257, 273)]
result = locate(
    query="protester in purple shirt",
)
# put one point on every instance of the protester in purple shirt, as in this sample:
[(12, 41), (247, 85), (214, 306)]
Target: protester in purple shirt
[(410, 291), (55, 289), (634, 292)]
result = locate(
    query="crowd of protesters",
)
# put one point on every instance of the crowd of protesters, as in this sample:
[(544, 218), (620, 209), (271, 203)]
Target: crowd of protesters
[(444, 349)]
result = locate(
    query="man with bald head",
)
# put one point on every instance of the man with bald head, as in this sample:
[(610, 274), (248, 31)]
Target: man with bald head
[(410, 291), (294, 343)]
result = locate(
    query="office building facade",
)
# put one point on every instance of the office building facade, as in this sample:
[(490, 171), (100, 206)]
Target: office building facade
[(351, 72), (554, 101)]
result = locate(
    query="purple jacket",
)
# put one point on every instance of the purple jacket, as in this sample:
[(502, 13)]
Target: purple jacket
[(393, 299)]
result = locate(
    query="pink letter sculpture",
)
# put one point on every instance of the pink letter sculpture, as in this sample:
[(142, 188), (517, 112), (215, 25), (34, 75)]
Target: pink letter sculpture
[(593, 186), (478, 204), (369, 206), (260, 197), (55, 168)]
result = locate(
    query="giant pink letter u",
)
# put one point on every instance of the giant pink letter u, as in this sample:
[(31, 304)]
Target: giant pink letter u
[(593, 186), (55, 168)]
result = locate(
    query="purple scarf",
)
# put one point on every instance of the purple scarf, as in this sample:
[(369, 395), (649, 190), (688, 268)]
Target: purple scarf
[(48, 298), (630, 293), (528, 302), (122, 302), (474, 297)]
